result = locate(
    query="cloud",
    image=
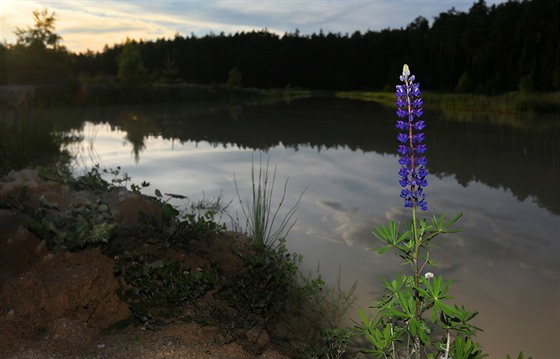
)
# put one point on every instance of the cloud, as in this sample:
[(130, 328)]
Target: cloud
[(89, 24), (344, 227), (15, 14)]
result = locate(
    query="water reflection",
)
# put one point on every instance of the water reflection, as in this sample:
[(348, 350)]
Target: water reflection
[(503, 178), (525, 160)]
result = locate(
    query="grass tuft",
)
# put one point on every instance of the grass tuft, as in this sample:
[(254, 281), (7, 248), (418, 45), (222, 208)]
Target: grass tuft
[(264, 224)]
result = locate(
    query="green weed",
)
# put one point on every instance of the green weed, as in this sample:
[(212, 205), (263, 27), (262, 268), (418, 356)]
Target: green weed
[(160, 281), (265, 225), (72, 229)]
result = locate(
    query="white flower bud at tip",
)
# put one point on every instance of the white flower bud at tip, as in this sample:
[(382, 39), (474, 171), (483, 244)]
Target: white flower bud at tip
[(405, 70), (429, 275)]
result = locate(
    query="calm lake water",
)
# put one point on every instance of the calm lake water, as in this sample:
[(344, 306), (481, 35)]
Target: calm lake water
[(503, 175)]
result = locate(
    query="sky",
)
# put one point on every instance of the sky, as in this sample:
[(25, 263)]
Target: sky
[(89, 25)]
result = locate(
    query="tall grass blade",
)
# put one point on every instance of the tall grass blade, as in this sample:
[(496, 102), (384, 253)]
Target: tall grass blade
[(265, 223)]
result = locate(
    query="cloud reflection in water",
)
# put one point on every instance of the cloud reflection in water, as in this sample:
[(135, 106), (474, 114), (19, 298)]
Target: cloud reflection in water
[(501, 265)]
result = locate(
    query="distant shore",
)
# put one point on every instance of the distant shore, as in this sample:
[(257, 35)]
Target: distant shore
[(75, 93)]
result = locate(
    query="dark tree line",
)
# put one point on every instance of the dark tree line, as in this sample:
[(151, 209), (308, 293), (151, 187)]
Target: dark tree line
[(510, 46)]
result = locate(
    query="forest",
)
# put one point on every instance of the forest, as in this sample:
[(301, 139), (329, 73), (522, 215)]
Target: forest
[(512, 46)]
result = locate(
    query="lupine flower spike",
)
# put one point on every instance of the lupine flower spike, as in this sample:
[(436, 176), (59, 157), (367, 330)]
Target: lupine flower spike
[(411, 149)]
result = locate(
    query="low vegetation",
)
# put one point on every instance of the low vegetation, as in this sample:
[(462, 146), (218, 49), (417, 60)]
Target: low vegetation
[(506, 104), (164, 280)]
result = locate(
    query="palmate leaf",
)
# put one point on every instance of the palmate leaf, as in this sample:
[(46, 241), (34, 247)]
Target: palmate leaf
[(378, 333), (465, 348), (459, 319), (402, 306), (381, 341), (424, 228), (436, 291), (397, 285), (438, 226), (389, 298), (391, 236)]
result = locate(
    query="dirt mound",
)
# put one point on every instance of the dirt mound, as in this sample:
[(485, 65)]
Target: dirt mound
[(61, 299), (79, 286)]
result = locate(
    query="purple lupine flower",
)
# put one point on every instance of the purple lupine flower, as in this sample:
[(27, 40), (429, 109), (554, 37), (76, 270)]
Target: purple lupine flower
[(411, 147)]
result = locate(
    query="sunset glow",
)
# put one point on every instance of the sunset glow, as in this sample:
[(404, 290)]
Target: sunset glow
[(91, 25)]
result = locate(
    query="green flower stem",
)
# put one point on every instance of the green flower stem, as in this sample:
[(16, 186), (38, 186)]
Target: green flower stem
[(394, 350), (415, 268)]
